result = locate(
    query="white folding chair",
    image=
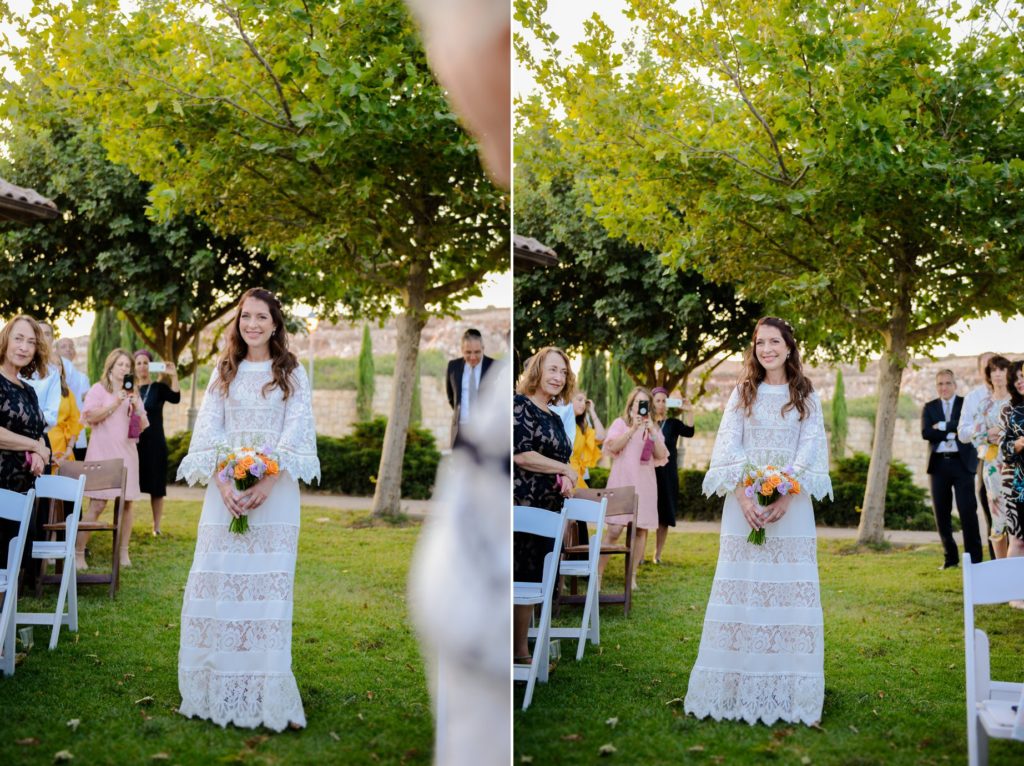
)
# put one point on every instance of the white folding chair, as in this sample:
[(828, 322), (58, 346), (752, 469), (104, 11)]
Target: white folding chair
[(537, 521), (994, 708), (18, 508), (589, 512), (65, 490)]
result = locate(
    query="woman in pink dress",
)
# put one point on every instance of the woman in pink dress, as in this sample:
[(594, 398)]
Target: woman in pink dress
[(107, 409), (636, 447)]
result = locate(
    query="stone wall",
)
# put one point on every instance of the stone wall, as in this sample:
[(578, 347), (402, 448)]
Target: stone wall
[(335, 411), (908, 446)]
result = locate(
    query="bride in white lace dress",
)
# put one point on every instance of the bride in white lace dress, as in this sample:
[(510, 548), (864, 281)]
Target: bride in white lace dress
[(761, 651), (234, 665)]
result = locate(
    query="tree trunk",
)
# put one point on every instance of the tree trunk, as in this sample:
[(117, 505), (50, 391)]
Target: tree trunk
[(890, 376), (387, 496)]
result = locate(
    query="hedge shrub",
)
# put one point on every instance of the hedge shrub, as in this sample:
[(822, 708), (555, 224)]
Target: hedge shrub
[(906, 504), (348, 465)]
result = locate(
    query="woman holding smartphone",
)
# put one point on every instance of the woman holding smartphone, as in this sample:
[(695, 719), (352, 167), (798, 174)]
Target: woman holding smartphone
[(153, 443), (636, 446), (108, 409)]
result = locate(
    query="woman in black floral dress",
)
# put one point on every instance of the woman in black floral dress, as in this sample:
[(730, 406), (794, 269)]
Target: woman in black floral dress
[(541, 451), (1013, 457), (24, 451)]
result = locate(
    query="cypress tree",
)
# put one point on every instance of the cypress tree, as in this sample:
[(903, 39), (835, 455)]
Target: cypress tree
[(594, 380), (840, 426), (104, 337), (619, 386), (365, 378)]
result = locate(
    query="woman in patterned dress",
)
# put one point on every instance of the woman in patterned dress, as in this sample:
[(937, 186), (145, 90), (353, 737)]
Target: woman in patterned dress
[(761, 653), (541, 453), (986, 437), (1012, 448), (234, 665), (24, 451)]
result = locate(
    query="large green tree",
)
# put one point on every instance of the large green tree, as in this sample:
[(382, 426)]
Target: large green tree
[(168, 279), (855, 165), (313, 130), (659, 321)]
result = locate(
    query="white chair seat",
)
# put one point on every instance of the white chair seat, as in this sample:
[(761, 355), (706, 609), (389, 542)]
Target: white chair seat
[(998, 717), (47, 549), (574, 568), (526, 593)]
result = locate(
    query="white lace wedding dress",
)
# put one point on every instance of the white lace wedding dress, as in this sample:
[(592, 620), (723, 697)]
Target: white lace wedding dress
[(762, 651), (234, 665)]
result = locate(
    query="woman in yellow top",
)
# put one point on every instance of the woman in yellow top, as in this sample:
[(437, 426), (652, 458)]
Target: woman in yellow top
[(69, 421), (586, 449)]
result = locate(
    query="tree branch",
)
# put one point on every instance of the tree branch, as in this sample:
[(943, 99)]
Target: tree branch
[(236, 17), (753, 110)]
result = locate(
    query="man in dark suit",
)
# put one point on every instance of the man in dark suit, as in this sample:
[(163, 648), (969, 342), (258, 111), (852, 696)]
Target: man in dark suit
[(463, 379), (951, 467)]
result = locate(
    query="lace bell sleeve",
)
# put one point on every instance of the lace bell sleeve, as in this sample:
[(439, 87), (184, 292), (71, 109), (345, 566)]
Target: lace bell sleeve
[(297, 446), (811, 461), (728, 457), (208, 437)]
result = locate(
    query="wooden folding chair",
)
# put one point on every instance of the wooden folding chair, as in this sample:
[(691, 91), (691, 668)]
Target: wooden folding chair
[(995, 709), (17, 508), (623, 505), (99, 475), (58, 490)]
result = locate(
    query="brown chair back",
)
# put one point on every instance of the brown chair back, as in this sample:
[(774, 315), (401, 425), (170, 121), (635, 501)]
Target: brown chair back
[(99, 474), (622, 501)]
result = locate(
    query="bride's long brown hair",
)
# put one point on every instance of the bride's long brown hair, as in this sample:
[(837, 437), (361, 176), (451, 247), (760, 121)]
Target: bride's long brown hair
[(800, 387), (283, 361)]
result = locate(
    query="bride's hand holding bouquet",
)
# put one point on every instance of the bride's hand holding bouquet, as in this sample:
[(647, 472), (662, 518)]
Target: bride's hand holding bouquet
[(245, 479), (764, 496)]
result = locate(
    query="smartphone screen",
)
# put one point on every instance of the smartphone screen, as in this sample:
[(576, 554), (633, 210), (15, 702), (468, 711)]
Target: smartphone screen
[(157, 367), (673, 403)]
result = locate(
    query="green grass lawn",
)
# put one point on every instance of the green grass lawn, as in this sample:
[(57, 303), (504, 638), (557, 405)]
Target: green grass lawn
[(894, 670), (353, 653)]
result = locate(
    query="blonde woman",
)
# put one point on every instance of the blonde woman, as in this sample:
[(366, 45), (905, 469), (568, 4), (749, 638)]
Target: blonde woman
[(636, 446), (108, 410)]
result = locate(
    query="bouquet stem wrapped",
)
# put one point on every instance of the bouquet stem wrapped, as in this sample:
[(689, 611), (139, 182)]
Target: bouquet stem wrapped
[(768, 485), (245, 467)]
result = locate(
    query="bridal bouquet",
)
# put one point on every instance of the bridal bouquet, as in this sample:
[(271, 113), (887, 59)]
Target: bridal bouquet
[(768, 484), (246, 466)]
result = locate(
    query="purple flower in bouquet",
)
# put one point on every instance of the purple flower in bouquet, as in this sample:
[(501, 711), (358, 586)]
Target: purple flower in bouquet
[(258, 469), (750, 491)]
